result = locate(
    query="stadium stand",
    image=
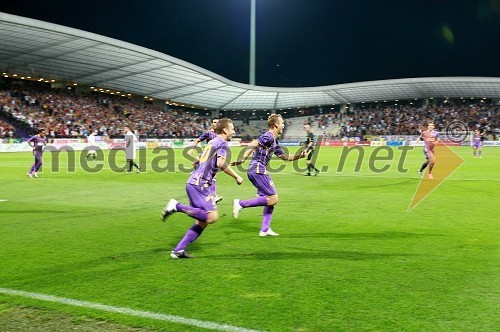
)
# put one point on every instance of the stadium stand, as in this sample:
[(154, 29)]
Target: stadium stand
[(6, 129), (64, 114)]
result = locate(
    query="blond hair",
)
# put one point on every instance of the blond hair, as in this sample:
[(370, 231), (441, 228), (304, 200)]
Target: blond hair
[(273, 119)]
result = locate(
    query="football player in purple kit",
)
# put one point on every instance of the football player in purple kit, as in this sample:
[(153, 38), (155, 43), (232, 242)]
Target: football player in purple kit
[(206, 136), (477, 143), (263, 148), (202, 206), (37, 142), (429, 136)]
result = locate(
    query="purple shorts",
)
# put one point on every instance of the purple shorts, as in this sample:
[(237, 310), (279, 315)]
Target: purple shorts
[(477, 145), (201, 197), (263, 183)]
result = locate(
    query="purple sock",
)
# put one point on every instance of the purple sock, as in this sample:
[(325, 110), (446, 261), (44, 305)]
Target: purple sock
[(259, 201), (196, 213), (192, 234), (32, 169), (267, 215)]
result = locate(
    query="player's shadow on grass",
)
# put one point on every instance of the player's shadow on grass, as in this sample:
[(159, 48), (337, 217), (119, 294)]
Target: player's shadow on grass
[(115, 262), (389, 184), (241, 225), (378, 235), (318, 254), (34, 211)]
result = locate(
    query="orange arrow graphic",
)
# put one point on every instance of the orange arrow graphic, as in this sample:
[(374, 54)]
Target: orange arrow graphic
[(447, 162)]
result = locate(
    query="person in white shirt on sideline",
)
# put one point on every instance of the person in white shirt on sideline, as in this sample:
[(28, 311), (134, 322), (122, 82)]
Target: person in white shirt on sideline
[(91, 143), (130, 140)]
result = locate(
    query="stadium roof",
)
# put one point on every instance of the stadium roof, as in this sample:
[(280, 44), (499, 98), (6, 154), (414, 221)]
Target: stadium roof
[(41, 49)]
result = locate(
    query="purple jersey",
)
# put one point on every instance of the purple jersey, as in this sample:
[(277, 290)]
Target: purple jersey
[(268, 145), (207, 169), (207, 136), (38, 143)]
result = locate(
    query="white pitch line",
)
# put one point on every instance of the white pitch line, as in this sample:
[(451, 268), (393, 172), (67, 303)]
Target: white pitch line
[(3, 200), (126, 311)]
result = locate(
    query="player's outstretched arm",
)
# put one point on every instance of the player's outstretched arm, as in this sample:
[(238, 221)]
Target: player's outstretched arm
[(298, 155), (223, 165), (247, 153), (192, 151)]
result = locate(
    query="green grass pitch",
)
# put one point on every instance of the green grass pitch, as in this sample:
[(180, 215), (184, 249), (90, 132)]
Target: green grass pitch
[(350, 256)]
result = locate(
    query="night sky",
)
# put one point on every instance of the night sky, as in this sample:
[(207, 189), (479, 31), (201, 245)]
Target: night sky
[(299, 42)]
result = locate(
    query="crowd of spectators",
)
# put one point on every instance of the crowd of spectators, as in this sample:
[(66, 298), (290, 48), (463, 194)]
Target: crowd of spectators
[(6, 130), (406, 120), (64, 114)]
